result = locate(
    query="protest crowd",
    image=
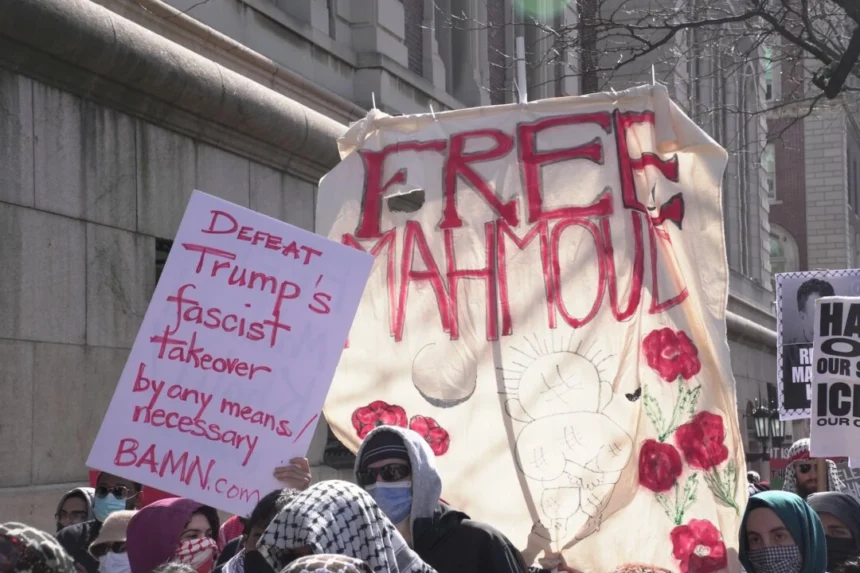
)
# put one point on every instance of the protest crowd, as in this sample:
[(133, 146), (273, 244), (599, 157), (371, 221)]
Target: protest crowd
[(390, 520), (573, 443)]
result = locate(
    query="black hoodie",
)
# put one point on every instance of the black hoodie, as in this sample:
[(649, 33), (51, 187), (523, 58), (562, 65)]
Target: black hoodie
[(450, 542), (444, 538)]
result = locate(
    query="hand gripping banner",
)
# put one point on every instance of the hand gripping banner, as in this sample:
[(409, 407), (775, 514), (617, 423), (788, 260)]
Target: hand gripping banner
[(547, 308)]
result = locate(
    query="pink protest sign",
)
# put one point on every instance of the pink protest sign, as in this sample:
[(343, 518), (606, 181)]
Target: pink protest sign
[(234, 358)]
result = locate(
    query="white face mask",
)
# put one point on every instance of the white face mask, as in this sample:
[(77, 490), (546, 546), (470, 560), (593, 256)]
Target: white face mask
[(114, 563)]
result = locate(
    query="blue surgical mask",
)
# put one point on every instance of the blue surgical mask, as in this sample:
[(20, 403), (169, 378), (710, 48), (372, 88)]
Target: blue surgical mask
[(104, 506), (394, 499)]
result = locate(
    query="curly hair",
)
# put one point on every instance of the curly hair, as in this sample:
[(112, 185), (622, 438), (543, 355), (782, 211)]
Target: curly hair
[(822, 287)]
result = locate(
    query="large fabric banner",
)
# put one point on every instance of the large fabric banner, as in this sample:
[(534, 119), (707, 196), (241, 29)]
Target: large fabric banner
[(547, 308)]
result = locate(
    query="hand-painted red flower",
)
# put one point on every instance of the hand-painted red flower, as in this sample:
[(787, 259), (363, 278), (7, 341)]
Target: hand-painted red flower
[(659, 466), (377, 413), (431, 431), (701, 441), (699, 547), (671, 354)]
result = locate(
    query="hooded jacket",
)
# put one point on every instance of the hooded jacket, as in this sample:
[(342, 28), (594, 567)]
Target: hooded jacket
[(154, 532), (76, 540), (85, 493), (446, 539)]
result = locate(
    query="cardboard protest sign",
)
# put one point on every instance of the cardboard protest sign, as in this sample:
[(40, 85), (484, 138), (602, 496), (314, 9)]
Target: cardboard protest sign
[(851, 478), (229, 370), (795, 300), (547, 308), (835, 424)]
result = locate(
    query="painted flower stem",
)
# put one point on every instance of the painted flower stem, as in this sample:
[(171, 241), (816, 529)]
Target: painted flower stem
[(723, 489), (685, 405)]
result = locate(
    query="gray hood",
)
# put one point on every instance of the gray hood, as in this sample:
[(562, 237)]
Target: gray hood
[(88, 493), (426, 483)]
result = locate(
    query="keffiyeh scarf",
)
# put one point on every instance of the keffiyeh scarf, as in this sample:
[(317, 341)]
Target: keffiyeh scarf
[(24, 549), (327, 564), (340, 518), (800, 451)]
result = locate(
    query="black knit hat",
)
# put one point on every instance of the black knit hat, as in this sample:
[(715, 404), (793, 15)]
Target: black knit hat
[(24, 549), (384, 445)]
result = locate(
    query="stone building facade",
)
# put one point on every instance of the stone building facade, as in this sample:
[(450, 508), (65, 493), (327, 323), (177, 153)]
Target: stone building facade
[(814, 201), (112, 111)]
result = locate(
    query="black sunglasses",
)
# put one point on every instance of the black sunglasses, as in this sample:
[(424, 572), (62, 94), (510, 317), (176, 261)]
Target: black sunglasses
[(103, 549), (388, 472), (119, 491), (804, 468)]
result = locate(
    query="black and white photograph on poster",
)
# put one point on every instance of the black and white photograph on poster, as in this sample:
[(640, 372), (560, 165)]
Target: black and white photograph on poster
[(835, 414), (795, 316)]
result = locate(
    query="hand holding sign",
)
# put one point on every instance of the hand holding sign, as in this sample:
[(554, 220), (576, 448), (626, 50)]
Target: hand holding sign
[(297, 475)]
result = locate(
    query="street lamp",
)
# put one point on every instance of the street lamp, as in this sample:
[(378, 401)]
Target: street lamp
[(762, 418), (777, 428), (763, 427)]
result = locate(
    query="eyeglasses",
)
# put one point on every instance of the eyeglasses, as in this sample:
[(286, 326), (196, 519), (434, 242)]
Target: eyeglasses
[(71, 516), (388, 472), (103, 549), (119, 491)]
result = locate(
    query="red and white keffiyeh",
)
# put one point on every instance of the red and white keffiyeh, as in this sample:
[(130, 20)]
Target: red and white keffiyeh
[(198, 553)]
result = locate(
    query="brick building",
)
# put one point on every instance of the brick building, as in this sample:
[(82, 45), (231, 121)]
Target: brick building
[(812, 161)]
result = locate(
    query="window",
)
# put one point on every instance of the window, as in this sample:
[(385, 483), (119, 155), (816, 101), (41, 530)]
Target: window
[(767, 64), (777, 255), (768, 162), (784, 254)]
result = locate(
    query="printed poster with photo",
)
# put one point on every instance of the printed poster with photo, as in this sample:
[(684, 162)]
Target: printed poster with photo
[(795, 315)]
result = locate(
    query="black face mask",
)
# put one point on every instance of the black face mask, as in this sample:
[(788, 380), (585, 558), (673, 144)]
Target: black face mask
[(839, 550)]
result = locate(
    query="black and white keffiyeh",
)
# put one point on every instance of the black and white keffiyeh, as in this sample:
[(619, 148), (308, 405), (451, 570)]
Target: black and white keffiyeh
[(778, 559), (340, 518), (327, 564)]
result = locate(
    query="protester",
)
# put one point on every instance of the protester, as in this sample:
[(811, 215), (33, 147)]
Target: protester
[(327, 564), (24, 549), (76, 506), (753, 480), (340, 518), (398, 469), (109, 546), (174, 529), (801, 476), (112, 494), (231, 530), (840, 516), (262, 515), (780, 533), (297, 475)]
